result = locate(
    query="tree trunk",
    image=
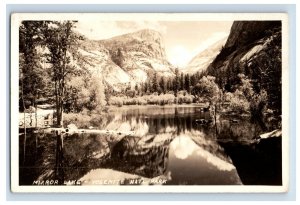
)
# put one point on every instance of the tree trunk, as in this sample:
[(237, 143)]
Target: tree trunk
[(61, 100), (25, 135), (35, 111), (58, 113), (216, 127)]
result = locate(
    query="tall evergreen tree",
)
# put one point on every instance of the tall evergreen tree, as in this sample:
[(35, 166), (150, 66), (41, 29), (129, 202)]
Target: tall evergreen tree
[(154, 83), (162, 85), (62, 43), (145, 87), (187, 83), (182, 87), (193, 80), (170, 84), (176, 83)]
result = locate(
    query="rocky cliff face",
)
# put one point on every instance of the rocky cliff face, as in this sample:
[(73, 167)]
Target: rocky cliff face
[(246, 32), (148, 42), (246, 40), (128, 59), (253, 48)]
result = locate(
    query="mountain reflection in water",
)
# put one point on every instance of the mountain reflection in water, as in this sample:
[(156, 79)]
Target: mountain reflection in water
[(169, 147)]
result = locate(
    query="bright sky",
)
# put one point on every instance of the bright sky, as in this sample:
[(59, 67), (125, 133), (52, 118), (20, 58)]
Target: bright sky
[(183, 39)]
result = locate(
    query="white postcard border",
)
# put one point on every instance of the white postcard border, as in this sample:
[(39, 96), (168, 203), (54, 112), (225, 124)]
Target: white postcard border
[(15, 22)]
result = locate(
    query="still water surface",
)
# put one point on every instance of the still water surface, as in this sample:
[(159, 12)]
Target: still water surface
[(170, 147)]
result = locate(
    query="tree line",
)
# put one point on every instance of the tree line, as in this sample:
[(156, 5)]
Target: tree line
[(156, 83)]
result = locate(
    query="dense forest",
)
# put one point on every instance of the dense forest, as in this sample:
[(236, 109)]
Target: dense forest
[(54, 72)]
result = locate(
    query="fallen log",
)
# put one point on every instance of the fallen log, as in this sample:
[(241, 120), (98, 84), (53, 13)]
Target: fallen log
[(87, 131)]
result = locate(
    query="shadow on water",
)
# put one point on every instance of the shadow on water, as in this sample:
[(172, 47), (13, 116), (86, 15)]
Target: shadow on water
[(39, 159), (257, 163), (169, 144)]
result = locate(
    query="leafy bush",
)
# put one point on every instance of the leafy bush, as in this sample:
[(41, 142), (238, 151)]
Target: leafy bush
[(258, 104), (84, 119), (81, 120), (184, 97), (153, 99), (166, 99), (245, 99), (141, 101), (117, 101), (207, 89), (237, 101)]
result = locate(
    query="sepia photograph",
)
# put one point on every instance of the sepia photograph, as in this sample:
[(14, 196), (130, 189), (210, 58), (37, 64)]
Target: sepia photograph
[(149, 102)]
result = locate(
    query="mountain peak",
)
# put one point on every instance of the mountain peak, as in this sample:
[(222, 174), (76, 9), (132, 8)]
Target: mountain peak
[(131, 58), (144, 34), (147, 30)]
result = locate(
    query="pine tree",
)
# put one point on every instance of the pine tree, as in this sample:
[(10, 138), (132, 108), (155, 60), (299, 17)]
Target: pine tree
[(182, 87), (187, 83), (170, 84), (154, 83), (176, 83), (62, 43), (145, 87), (162, 84), (137, 89), (193, 80)]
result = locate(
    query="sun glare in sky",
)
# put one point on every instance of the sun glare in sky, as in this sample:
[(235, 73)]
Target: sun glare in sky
[(179, 55)]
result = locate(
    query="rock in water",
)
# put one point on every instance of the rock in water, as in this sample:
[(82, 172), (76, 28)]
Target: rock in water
[(275, 133)]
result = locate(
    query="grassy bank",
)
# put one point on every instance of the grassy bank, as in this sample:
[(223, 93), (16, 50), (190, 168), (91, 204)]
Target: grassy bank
[(85, 119)]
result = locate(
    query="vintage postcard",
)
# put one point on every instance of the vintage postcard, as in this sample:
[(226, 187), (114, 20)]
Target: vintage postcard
[(149, 102)]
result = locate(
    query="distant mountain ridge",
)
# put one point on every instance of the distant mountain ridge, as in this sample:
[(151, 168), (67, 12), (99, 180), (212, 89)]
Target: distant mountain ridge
[(202, 60), (128, 59)]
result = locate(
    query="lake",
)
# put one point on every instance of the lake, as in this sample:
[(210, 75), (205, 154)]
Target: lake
[(171, 145)]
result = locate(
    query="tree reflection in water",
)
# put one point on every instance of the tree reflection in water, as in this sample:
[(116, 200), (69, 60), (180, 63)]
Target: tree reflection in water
[(168, 144)]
